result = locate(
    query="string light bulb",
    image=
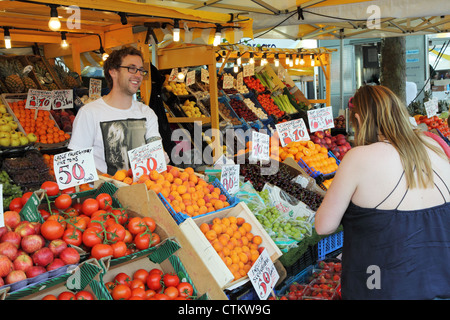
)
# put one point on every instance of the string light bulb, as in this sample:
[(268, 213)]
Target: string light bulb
[(64, 43), (297, 60), (7, 38), (54, 24), (218, 35), (312, 61), (276, 61), (103, 53), (288, 61), (176, 30), (252, 59), (235, 68), (239, 59), (264, 59), (302, 62)]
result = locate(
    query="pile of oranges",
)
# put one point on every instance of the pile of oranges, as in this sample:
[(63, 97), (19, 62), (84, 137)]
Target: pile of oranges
[(48, 160), (183, 189), (232, 239), (41, 124), (314, 155)]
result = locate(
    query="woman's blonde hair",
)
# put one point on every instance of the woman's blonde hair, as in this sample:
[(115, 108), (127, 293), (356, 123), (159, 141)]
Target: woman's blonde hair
[(381, 112)]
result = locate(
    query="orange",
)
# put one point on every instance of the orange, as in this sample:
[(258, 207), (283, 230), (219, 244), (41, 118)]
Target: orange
[(257, 240)]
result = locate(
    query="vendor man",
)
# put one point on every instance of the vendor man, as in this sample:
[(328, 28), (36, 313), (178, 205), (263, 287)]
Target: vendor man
[(116, 123)]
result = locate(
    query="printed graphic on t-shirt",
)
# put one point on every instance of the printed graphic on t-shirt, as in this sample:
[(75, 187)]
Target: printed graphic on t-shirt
[(119, 136)]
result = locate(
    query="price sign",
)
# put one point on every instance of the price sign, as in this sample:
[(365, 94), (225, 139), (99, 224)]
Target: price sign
[(432, 107), (173, 74), (320, 119), (291, 131), (249, 70), (228, 82), (281, 72), (73, 168), (39, 99), (95, 88), (260, 146), (147, 158), (229, 178), (223, 160), (204, 76), (240, 80), (190, 79), (62, 99), (263, 275)]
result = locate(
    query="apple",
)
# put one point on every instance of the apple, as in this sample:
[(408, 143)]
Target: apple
[(36, 226), (15, 276), (8, 249), (6, 266), (3, 109), (12, 219), (32, 137), (57, 263), (24, 141), (15, 142), (12, 237), (13, 125), (4, 134), (8, 117), (69, 256), (43, 257), (3, 230), (32, 243), (319, 134), (22, 262), (25, 228), (35, 271), (57, 246)]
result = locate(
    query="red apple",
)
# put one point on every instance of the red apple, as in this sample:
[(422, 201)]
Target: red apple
[(23, 262), (32, 243), (12, 218), (69, 256), (35, 271), (37, 227), (3, 230), (12, 237), (9, 250), (56, 246), (25, 228), (43, 257), (57, 263), (15, 276), (2, 283), (6, 266)]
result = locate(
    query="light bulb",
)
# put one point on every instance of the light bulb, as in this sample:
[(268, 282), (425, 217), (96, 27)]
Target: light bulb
[(297, 60), (236, 68), (54, 24), (180, 75), (252, 60), (105, 56), (312, 61), (7, 38), (217, 38), (276, 61), (302, 62), (288, 61), (176, 31), (64, 44), (291, 63), (239, 61)]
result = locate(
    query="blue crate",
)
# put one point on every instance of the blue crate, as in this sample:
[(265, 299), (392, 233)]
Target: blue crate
[(181, 217), (330, 244), (303, 277), (314, 173)]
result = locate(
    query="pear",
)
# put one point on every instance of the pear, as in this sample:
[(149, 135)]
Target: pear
[(24, 141), (15, 142), (13, 125), (5, 127), (5, 142)]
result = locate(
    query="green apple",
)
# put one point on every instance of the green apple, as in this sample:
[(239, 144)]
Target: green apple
[(3, 109), (4, 134), (8, 117), (15, 142), (23, 141), (21, 134), (32, 137), (5, 142), (14, 134), (5, 128), (3, 121), (13, 125)]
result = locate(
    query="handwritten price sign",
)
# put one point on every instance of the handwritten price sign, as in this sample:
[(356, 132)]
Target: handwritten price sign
[(292, 131), (62, 99), (228, 82), (263, 275), (74, 168), (190, 78), (204, 75), (147, 158), (320, 119), (39, 99), (432, 107), (95, 88), (229, 178), (260, 146), (249, 70)]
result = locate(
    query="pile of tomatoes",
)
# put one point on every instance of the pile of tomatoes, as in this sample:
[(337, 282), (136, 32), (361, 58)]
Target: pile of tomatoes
[(435, 123), (149, 285), (95, 225)]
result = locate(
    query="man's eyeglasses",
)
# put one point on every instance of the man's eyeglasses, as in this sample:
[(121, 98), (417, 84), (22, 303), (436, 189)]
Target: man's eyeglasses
[(134, 70)]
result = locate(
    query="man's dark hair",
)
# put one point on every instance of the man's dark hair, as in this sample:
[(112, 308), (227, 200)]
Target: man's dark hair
[(115, 60)]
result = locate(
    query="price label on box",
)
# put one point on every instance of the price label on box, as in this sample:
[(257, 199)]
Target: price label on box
[(39, 99), (249, 70), (240, 80), (292, 131), (95, 88), (229, 178), (75, 167), (320, 119), (432, 107), (228, 82), (260, 146), (204, 75), (62, 99), (263, 275), (190, 78), (147, 158)]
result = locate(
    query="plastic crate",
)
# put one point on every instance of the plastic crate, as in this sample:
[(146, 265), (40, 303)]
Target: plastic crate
[(330, 244), (303, 277), (180, 217), (315, 174), (258, 105), (307, 258)]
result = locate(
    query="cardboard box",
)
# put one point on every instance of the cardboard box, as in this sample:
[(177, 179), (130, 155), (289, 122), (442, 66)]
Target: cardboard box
[(440, 88), (146, 202), (295, 169)]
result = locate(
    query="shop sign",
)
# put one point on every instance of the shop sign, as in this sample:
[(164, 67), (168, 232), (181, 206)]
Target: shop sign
[(147, 158), (292, 131), (260, 146), (320, 119), (263, 275), (229, 178), (75, 167), (228, 82)]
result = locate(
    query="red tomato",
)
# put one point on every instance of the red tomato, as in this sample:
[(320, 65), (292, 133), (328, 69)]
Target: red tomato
[(89, 206), (128, 237), (115, 232), (104, 201), (84, 295), (149, 294), (119, 249), (185, 289), (25, 197), (71, 212), (137, 293), (77, 222), (157, 271), (171, 280), (110, 286), (121, 292), (16, 204), (101, 250), (52, 229), (171, 292), (91, 237), (44, 214), (50, 297), (150, 223), (122, 278), (50, 187), (66, 295), (141, 274), (161, 296), (136, 225), (73, 236), (155, 239), (121, 215), (68, 190), (154, 281), (142, 240), (137, 283), (63, 202)]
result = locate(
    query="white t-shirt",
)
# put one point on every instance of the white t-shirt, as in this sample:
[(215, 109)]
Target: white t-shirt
[(112, 132)]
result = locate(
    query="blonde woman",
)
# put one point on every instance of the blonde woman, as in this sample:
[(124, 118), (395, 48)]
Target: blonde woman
[(391, 194)]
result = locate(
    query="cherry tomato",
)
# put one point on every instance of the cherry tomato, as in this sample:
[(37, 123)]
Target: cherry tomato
[(50, 187), (101, 250), (45, 214), (128, 237), (57, 217), (63, 202), (104, 201), (141, 274), (137, 283), (121, 292), (110, 286), (89, 206), (157, 271), (52, 229), (119, 249), (71, 212), (185, 289), (73, 236), (171, 280), (25, 197), (115, 232), (149, 294), (122, 278), (16, 204), (136, 225), (121, 215), (84, 295)]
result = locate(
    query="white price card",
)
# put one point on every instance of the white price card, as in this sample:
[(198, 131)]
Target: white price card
[(281, 72), (249, 70), (39, 99), (228, 82), (147, 158), (62, 99), (190, 78), (263, 275), (432, 107), (204, 75), (223, 160), (320, 119), (2, 217), (95, 88), (75, 167), (229, 178), (292, 131), (173, 74), (240, 80), (260, 146)]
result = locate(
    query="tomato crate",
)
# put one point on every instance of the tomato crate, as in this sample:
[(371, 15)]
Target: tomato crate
[(317, 174), (330, 244), (180, 217)]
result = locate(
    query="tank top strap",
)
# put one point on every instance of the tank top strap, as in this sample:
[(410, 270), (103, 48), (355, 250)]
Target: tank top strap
[(393, 191)]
